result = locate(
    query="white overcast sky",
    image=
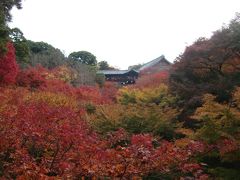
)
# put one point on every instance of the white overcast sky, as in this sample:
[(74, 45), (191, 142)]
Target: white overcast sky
[(123, 32)]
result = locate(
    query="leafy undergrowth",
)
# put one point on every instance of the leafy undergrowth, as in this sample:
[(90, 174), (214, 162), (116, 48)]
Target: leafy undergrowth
[(45, 134)]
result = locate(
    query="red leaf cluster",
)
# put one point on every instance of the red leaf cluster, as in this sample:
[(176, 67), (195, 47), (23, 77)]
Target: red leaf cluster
[(32, 77), (152, 80), (227, 146), (8, 66), (109, 92)]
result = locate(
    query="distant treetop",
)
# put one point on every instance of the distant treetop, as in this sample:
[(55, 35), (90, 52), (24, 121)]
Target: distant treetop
[(83, 57)]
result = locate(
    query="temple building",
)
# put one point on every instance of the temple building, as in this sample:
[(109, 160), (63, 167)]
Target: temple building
[(126, 77), (123, 77)]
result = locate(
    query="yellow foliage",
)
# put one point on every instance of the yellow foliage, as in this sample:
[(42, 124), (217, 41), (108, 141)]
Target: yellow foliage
[(63, 73), (158, 95), (186, 132), (219, 120), (146, 110), (183, 142), (134, 118), (108, 115), (210, 108), (53, 99)]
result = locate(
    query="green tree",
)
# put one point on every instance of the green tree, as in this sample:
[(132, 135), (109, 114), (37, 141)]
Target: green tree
[(103, 65), (100, 79), (84, 74), (45, 54), (3, 35), (135, 67), (21, 45), (83, 57), (5, 16), (39, 47)]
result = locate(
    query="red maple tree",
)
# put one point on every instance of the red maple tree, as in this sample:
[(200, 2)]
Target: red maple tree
[(8, 66)]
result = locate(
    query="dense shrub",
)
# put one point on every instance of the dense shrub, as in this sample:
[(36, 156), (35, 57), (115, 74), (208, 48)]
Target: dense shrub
[(32, 77), (136, 119)]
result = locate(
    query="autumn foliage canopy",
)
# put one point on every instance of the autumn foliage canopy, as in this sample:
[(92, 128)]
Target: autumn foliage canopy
[(181, 124)]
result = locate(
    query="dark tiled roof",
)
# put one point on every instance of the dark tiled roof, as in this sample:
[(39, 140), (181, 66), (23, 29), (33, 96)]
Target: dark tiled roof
[(153, 62), (115, 71)]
